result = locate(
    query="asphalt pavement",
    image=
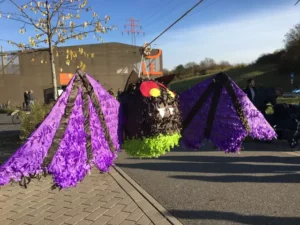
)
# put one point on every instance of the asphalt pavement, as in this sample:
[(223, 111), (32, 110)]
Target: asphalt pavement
[(260, 186)]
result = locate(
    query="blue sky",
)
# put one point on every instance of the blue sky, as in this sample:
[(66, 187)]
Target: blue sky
[(233, 30)]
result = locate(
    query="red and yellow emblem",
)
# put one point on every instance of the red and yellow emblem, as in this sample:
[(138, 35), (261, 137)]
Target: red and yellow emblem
[(152, 89)]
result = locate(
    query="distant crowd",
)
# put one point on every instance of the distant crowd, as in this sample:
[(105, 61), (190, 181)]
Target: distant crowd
[(262, 96)]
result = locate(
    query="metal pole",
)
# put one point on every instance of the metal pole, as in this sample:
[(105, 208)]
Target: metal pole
[(2, 60)]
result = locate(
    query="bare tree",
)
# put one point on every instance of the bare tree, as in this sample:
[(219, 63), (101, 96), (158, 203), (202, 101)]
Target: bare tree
[(55, 22)]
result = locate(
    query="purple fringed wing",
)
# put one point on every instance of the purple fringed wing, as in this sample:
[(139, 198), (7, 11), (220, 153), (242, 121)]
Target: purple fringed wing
[(227, 131), (29, 157), (193, 135), (103, 157), (70, 162), (69, 165), (259, 127), (112, 111)]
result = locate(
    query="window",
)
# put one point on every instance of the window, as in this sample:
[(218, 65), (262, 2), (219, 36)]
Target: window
[(9, 64)]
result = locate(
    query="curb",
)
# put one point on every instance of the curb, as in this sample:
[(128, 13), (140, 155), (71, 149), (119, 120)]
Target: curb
[(164, 212)]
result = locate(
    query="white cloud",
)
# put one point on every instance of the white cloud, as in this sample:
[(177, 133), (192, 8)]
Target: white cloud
[(240, 40)]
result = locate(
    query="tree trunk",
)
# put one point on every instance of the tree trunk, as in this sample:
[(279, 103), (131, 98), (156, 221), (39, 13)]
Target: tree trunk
[(52, 65), (53, 72)]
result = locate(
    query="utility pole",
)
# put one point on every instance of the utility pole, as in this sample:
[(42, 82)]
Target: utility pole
[(133, 29)]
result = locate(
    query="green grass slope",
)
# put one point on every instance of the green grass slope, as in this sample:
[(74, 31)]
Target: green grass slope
[(267, 75)]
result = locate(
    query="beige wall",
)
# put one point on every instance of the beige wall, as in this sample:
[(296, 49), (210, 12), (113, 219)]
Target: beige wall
[(111, 65)]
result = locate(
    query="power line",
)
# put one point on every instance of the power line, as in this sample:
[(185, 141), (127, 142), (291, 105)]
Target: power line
[(187, 12), (166, 14), (156, 10), (297, 2), (162, 8), (196, 11)]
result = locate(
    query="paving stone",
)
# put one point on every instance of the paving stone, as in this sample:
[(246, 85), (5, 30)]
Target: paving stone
[(38, 205), (57, 214), (36, 219), (75, 203), (21, 220), (73, 197), (121, 195), (115, 210), (57, 207), (144, 220), (128, 188), (119, 218), (117, 189), (38, 211), (130, 208), (80, 216), (20, 214), (111, 203), (92, 200), (6, 222), (102, 187), (136, 215), (94, 206), (102, 220), (155, 216), (164, 222), (75, 211), (44, 222), (127, 222), (126, 201), (95, 215), (60, 220), (6, 210), (84, 222), (11, 201), (145, 205), (136, 196), (108, 197)]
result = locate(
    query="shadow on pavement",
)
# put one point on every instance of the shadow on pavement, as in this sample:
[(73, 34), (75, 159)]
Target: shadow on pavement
[(235, 217), (228, 169), (233, 159)]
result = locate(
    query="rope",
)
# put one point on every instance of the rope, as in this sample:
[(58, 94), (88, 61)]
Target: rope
[(140, 70), (168, 28)]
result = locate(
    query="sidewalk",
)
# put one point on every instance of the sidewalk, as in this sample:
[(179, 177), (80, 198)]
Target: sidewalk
[(111, 198)]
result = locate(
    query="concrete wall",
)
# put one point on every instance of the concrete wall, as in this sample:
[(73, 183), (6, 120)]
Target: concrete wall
[(111, 66)]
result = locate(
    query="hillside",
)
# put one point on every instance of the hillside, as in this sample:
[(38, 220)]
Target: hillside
[(267, 75)]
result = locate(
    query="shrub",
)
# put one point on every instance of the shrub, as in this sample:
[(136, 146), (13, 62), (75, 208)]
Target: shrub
[(30, 121)]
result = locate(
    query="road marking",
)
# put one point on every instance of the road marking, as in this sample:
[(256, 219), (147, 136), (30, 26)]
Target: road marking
[(293, 153)]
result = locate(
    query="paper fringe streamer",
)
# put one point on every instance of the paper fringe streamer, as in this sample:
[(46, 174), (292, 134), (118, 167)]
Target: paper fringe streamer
[(152, 146)]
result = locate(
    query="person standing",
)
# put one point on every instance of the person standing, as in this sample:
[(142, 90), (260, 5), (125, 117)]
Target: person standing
[(31, 97), (26, 100), (251, 90)]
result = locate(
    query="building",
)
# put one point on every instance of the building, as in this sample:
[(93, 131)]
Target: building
[(111, 65)]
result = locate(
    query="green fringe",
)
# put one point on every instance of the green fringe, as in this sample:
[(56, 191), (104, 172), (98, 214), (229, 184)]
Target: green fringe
[(151, 147)]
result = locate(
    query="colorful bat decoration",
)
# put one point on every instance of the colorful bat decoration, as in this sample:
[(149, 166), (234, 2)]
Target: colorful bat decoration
[(87, 126)]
